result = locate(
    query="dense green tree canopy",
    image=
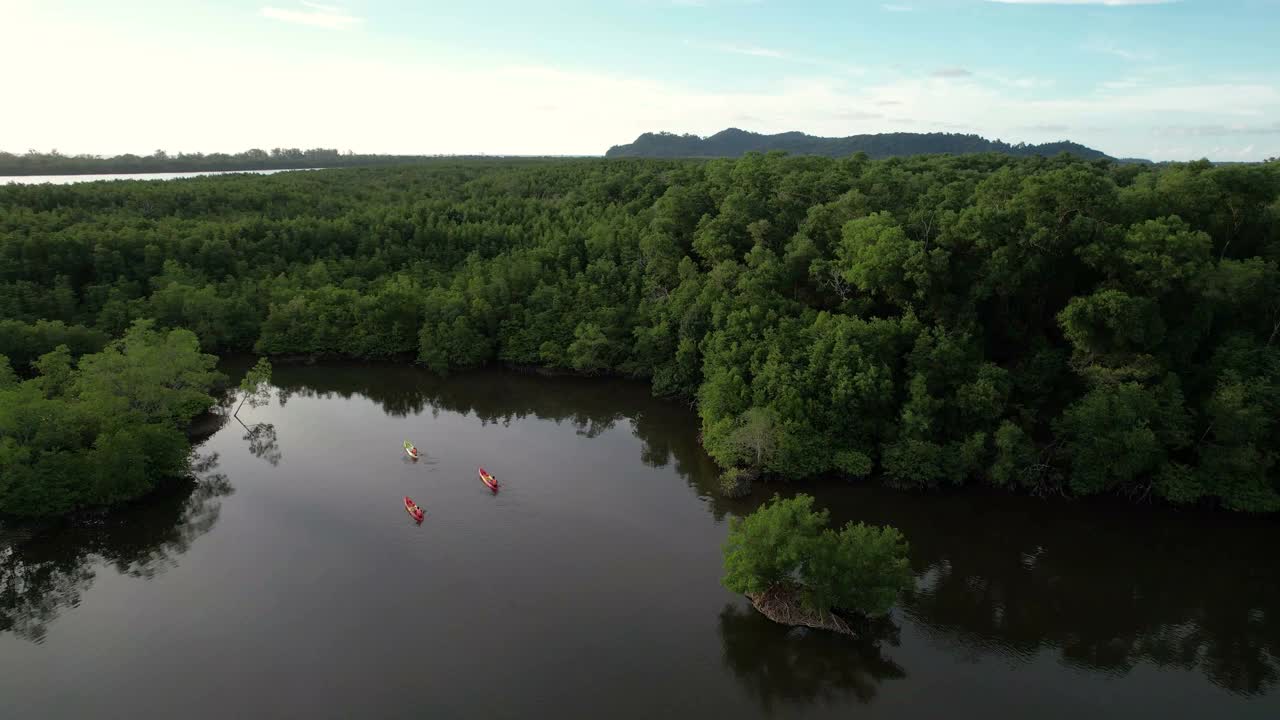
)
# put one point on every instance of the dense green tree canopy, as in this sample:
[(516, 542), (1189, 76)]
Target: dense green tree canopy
[(1044, 324), (787, 544), (101, 430)]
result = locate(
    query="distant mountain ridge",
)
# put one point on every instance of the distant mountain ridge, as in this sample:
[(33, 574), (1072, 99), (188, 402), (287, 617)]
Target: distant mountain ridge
[(734, 142)]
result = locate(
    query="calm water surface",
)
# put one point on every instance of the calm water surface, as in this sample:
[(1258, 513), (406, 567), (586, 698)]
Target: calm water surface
[(69, 179), (289, 582)]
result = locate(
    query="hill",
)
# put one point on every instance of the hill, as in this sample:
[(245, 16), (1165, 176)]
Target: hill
[(734, 143)]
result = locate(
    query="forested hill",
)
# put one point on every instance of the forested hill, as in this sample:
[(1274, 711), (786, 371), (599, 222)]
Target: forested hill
[(56, 163), (735, 143)]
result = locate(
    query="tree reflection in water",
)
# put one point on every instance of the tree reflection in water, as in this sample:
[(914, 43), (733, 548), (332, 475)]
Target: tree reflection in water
[(46, 570), (1102, 587), (798, 666), (263, 442)]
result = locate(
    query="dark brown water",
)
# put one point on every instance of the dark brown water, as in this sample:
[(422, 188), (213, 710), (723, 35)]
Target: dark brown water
[(288, 581)]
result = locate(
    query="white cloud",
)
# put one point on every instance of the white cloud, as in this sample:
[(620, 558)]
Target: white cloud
[(751, 50), (1108, 47), (1024, 82), (1217, 130), (952, 72), (711, 3), (324, 16), (763, 52), (1085, 2), (1222, 99)]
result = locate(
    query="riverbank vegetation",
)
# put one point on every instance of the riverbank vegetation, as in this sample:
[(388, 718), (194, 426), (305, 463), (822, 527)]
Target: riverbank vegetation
[(102, 428), (56, 163), (1047, 325)]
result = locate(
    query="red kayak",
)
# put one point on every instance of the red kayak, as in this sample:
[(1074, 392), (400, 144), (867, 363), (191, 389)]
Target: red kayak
[(412, 508), (489, 480)]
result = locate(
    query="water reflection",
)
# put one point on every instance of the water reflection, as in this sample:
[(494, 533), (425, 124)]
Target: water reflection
[(44, 571), (592, 406), (787, 666), (263, 442), (1102, 587)]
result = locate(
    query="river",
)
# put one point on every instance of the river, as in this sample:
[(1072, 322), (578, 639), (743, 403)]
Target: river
[(71, 179), (288, 581)]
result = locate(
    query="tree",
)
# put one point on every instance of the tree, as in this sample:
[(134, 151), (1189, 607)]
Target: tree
[(878, 257), (770, 546), (8, 378), (255, 387), (590, 350), (1117, 435), (754, 440), (787, 545), (862, 567), (104, 431), (149, 375)]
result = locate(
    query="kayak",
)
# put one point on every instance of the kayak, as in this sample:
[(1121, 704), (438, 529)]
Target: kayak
[(489, 480), (412, 508), (410, 450)]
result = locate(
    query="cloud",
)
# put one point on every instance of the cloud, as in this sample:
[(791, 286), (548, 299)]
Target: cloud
[(711, 3), (1122, 53), (751, 50), (1216, 130), (763, 52), (1229, 99), (323, 16), (1024, 83), (1046, 128), (897, 8), (856, 115), (1112, 3), (951, 72)]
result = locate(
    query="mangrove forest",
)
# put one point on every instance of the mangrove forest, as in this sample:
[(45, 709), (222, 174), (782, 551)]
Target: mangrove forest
[(1045, 325)]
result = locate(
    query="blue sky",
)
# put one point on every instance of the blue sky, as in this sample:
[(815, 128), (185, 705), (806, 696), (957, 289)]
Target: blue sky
[(1166, 80)]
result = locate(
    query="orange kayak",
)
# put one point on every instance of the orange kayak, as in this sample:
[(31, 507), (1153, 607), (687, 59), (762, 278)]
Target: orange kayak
[(412, 508), (489, 480)]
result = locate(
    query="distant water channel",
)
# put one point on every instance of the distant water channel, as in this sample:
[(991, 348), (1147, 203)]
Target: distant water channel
[(287, 580), (70, 179)]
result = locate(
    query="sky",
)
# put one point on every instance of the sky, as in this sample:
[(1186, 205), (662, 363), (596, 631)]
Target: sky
[(1159, 79)]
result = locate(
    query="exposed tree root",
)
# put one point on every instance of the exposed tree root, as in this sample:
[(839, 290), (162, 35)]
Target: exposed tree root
[(782, 605)]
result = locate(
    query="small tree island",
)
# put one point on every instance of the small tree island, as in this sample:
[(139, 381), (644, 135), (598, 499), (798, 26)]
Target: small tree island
[(796, 570)]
